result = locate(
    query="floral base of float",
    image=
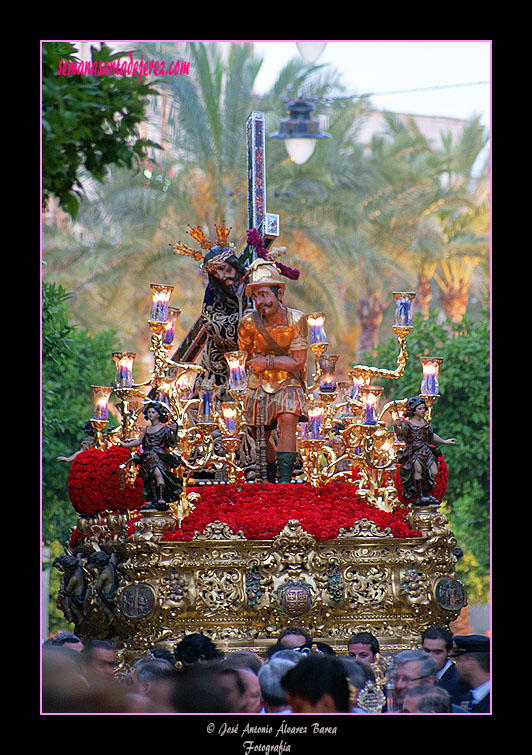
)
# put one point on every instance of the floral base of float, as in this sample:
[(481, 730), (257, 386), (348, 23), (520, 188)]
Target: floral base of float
[(251, 560)]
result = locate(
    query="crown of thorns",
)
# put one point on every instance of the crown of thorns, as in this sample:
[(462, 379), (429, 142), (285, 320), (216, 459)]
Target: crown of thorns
[(222, 234)]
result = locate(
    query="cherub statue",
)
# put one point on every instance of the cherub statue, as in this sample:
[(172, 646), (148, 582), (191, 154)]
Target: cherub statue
[(73, 589), (161, 486), (106, 582), (418, 458)]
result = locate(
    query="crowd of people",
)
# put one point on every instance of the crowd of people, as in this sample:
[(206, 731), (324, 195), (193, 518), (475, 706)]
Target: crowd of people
[(447, 674)]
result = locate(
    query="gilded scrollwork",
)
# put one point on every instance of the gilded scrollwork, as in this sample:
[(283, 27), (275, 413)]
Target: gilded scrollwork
[(219, 531), (239, 590), (220, 590), (367, 586)]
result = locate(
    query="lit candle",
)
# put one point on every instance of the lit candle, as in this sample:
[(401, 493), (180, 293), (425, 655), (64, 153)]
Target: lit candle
[(124, 368), (229, 415), (315, 419), (101, 395), (184, 385), (354, 392), (317, 331), (328, 378), (429, 382), (236, 361), (160, 299), (403, 303), (169, 330), (370, 394)]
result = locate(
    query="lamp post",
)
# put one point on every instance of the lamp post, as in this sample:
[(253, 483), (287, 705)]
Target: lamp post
[(310, 50), (300, 131)]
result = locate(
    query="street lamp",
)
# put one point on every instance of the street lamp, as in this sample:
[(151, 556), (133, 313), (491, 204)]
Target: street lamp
[(300, 131), (311, 50)]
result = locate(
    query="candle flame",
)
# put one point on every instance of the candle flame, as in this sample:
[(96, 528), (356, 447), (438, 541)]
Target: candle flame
[(315, 322), (161, 297)]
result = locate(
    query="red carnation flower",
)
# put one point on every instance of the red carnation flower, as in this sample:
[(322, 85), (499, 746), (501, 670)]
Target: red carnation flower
[(83, 488), (261, 511), (115, 497)]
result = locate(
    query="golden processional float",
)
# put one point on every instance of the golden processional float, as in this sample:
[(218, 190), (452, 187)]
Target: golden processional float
[(338, 551)]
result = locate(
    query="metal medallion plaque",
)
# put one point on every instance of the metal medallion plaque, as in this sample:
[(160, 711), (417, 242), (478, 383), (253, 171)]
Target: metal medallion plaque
[(137, 601), (450, 593)]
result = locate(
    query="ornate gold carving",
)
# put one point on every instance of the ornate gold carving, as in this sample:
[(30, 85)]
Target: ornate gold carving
[(245, 591), (218, 531)]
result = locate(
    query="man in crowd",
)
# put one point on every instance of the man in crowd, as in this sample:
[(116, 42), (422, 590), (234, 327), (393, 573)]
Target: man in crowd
[(472, 656), (363, 647), (270, 675), (414, 668), (66, 639), (437, 641), (289, 638), (427, 699), (317, 684), (100, 659)]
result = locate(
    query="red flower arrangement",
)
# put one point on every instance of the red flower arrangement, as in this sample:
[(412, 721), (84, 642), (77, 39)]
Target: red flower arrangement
[(83, 487), (113, 496), (262, 510), (75, 537), (440, 482), (94, 482)]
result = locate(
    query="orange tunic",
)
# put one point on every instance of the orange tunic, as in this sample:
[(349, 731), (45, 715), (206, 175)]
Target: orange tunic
[(274, 392), (291, 337)]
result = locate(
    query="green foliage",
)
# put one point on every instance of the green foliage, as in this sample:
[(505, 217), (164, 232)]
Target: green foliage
[(72, 361), (89, 122), (462, 412)]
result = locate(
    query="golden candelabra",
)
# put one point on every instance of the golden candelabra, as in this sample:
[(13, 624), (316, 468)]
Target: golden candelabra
[(350, 434), (345, 438)]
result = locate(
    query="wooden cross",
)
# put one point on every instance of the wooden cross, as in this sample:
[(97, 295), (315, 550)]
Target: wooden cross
[(265, 223)]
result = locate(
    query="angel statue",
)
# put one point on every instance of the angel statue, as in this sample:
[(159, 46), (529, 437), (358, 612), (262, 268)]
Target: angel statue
[(418, 459)]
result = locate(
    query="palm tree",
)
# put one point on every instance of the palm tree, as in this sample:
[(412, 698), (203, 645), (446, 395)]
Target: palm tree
[(466, 230), (357, 225), (122, 237)]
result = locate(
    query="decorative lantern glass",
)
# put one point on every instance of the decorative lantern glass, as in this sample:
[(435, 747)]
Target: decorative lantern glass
[(169, 331), (354, 392), (317, 331), (328, 377), (314, 423), (236, 361), (429, 382), (370, 396), (403, 307), (160, 299), (101, 395), (229, 414), (124, 368), (185, 384)]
